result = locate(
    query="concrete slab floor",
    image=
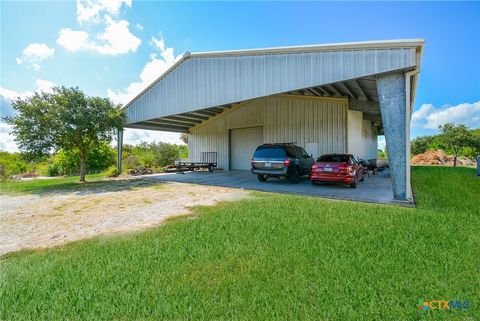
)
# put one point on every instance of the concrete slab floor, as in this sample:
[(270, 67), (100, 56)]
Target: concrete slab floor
[(375, 189)]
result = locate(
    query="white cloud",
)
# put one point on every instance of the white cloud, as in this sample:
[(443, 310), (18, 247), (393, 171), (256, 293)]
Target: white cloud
[(139, 26), (135, 136), (116, 39), (430, 117), (42, 85), (166, 53), (12, 94), (150, 72), (110, 36), (74, 40), (91, 10), (419, 116), (7, 142), (35, 53)]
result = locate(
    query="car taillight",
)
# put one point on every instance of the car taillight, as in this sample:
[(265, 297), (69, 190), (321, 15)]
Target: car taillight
[(344, 169), (286, 162)]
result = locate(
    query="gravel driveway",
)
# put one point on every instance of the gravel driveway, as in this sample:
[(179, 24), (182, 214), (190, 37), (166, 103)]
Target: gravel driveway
[(46, 220)]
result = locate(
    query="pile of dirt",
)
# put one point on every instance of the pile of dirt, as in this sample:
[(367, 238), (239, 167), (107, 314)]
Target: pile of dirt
[(438, 157)]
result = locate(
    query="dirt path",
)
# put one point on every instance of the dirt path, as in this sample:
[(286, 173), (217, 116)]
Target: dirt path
[(39, 221)]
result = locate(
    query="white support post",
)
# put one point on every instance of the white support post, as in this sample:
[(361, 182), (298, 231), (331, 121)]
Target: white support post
[(408, 118)]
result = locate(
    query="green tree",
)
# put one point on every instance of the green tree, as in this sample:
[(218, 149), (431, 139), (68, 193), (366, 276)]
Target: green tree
[(476, 141), (157, 154), (183, 151), (456, 137), (164, 153), (65, 119)]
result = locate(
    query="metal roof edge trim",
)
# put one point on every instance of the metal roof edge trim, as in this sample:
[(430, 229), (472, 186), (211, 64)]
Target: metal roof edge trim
[(378, 44)]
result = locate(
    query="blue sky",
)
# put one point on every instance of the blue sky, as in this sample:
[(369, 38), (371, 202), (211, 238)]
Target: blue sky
[(117, 49)]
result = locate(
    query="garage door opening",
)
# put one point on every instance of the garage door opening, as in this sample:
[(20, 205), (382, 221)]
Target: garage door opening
[(243, 142)]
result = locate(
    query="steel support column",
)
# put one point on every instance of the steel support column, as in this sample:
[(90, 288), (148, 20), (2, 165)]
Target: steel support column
[(392, 99), (119, 149)]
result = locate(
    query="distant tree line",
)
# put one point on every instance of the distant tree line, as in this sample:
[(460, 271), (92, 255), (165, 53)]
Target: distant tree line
[(154, 155), (101, 158), (456, 140)]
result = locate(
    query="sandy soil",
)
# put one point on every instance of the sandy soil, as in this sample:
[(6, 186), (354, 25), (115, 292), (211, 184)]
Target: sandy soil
[(39, 221)]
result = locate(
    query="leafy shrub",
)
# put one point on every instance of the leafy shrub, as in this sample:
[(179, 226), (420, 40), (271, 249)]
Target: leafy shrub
[(11, 164), (469, 152), (153, 155), (53, 170), (183, 151), (381, 154), (146, 157), (131, 161), (40, 167), (100, 157), (112, 171)]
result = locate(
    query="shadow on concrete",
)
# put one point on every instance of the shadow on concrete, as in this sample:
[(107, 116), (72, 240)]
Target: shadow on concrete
[(375, 189)]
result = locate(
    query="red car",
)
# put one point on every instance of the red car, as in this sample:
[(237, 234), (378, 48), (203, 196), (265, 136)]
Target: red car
[(340, 168)]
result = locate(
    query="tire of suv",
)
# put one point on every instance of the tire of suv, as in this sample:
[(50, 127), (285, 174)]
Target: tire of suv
[(353, 185), (262, 178), (294, 176)]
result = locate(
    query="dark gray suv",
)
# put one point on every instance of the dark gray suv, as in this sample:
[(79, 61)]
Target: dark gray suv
[(280, 160)]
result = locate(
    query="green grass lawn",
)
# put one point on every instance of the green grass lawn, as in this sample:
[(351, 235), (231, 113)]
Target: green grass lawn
[(95, 183), (56, 184), (275, 257)]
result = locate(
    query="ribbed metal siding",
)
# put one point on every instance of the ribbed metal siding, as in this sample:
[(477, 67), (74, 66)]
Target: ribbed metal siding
[(284, 120), (362, 136), (206, 82), (370, 140)]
